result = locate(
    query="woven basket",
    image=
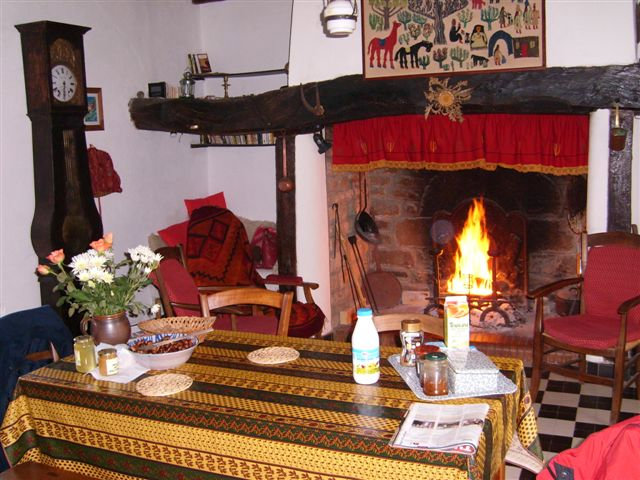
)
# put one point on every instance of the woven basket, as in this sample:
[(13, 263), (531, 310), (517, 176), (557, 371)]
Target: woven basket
[(178, 325)]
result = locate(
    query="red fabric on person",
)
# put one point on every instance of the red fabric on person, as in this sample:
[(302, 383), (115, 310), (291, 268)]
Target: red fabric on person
[(605, 455), (554, 144)]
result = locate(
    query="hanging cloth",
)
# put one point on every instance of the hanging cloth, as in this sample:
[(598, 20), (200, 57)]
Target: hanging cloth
[(104, 178)]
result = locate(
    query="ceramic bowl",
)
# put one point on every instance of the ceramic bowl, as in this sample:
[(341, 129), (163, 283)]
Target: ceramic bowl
[(162, 361)]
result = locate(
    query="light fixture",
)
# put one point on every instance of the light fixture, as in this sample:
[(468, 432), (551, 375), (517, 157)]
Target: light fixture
[(322, 144), (340, 16), (187, 85)]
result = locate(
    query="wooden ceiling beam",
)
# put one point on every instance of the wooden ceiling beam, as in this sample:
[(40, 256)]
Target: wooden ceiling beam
[(546, 91)]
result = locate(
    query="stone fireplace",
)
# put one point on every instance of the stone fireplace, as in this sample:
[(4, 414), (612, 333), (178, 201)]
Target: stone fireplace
[(405, 203)]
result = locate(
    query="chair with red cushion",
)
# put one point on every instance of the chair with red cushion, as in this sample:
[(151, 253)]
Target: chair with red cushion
[(608, 326), (180, 296), (256, 319), (219, 254)]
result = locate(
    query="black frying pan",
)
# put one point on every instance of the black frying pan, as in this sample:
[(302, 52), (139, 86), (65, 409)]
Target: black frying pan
[(365, 225)]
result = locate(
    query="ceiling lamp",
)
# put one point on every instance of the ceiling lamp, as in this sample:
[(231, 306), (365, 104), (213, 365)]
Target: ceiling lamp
[(340, 16)]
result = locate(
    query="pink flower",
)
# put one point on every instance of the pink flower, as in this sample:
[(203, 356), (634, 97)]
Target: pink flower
[(57, 256), (43, 270), (104, 244)]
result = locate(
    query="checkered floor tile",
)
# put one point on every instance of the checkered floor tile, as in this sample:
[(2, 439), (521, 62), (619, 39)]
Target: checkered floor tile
[(568, 412)]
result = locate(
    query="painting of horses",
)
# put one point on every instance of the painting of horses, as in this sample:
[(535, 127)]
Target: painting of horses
[(444, 37)]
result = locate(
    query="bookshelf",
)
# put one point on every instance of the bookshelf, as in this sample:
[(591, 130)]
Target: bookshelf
[(242, 140)]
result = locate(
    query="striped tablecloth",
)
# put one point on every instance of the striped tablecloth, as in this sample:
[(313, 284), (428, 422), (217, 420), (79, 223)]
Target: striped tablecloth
[(306, 419)]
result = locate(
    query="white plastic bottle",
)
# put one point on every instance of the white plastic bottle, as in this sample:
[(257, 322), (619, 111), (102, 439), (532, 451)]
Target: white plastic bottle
[(365, 344)]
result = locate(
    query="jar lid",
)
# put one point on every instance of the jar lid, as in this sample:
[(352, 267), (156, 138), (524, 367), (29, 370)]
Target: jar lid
[(83, 339), (107, 351), (363, 312), (436, 356), (411, 326)]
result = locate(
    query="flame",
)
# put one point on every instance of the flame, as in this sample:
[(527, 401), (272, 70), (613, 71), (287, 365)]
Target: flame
[(473, 265)]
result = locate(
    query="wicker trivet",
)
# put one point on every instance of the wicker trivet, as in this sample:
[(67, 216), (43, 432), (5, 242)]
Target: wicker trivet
[(273, 355), (163, 384)]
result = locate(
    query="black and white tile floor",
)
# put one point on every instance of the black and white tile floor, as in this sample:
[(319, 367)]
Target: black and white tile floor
[(568, 412)]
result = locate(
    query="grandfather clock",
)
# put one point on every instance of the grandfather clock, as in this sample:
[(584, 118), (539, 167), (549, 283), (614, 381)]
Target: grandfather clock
[(65, 213)]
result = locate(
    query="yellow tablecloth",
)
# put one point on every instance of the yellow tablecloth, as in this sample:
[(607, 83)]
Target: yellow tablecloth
[(300, 420)]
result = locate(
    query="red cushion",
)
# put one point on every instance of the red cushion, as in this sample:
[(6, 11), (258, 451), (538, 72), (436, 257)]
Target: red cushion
[(175, 234), (589, 331), (215, 200), (180, 286), (306, 320), (611, 277), (253, 324)]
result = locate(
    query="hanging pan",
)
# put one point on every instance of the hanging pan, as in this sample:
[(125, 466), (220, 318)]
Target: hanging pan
[(365, 225)]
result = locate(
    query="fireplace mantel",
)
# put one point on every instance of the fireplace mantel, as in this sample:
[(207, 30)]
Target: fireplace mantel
[(551, 90)]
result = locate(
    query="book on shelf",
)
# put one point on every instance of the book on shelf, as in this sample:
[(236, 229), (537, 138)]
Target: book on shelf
[(203, 63), (443, 428)]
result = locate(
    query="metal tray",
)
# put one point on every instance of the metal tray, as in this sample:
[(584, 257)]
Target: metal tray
[(408, 374)]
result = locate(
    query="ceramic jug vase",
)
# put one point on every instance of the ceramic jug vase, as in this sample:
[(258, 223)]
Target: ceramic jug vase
[(111, 329)]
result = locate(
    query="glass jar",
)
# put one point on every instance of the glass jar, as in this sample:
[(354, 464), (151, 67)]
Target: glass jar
[(411, 336), (84, 351), (433, 372), (108, 361)]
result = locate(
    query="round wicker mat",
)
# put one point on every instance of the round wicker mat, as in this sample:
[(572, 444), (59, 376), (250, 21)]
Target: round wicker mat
[(273, 355), (163, 384)]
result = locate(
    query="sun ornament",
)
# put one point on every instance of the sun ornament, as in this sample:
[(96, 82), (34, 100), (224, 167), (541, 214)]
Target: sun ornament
[(445, 100)]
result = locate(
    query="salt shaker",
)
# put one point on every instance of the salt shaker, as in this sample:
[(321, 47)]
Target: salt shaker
[(411, 336)]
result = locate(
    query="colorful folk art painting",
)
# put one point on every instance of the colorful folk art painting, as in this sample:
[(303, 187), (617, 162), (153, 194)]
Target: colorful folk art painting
[(427, 37)]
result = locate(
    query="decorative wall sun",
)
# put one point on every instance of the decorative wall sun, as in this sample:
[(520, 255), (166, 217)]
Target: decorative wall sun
[(445, 100)]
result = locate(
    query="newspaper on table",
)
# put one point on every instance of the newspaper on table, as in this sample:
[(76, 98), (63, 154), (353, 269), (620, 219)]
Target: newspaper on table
[(444, 428)]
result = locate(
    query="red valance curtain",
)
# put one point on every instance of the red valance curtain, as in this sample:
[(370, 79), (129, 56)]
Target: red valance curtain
[(553, 144)]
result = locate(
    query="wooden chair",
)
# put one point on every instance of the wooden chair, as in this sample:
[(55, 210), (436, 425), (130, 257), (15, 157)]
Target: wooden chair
[(608, 325), (257, 298), (433, 326), (39, 471), (179, 293)]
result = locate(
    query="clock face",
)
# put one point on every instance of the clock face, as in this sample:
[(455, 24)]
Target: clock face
[(63, 83)]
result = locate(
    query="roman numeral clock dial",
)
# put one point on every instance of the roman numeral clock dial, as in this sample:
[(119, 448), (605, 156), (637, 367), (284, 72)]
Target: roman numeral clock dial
[(63, 83)]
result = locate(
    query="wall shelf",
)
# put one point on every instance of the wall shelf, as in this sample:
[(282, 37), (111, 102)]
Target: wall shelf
[(263, 139), (226, 76)]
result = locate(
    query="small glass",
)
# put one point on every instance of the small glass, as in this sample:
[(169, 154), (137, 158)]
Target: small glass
[(108, 361), (433, 373), (84, 351)]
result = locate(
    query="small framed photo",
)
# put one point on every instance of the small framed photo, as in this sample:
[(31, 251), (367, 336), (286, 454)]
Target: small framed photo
[(158, 89), (94, 119), (203, 63)]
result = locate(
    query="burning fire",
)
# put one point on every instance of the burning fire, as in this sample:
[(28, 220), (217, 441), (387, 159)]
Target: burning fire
[(473, 266)]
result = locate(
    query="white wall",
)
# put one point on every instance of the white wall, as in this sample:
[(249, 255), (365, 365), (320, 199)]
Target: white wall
[(245, 36), (130, 44)]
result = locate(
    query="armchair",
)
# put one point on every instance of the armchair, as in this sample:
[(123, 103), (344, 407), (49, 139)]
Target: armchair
[(608, 326)]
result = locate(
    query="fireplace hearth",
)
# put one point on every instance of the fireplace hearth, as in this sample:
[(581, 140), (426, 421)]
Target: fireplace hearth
[(538, 238)]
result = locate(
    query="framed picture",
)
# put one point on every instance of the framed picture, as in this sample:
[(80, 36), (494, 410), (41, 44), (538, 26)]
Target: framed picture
[(203, 63), (158, 89), (444, 37), (94, 119)]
